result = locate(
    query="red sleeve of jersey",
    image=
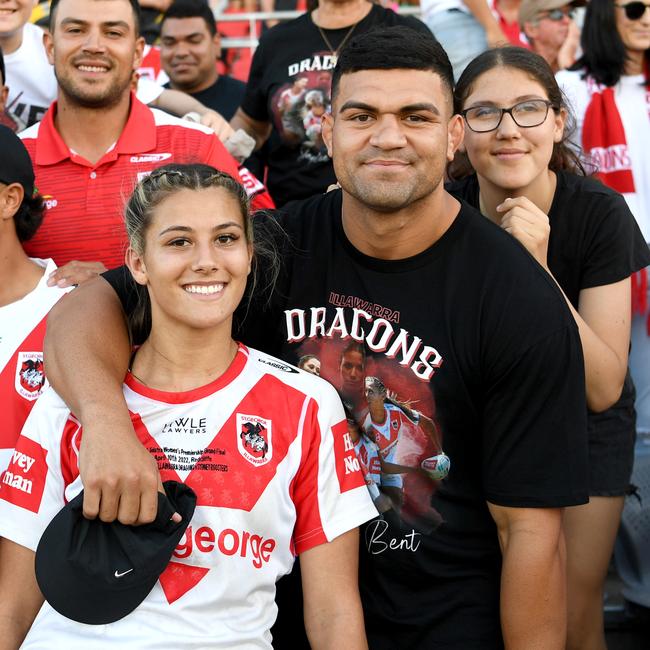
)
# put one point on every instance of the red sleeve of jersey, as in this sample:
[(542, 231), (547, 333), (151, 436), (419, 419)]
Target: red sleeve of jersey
[(329, 490), (308, 531), (348, 468), (22, 381), (24, 480), (219, 157)]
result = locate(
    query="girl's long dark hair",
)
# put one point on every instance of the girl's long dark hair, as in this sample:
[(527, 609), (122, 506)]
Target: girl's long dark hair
[(604, 54), (564, 157)]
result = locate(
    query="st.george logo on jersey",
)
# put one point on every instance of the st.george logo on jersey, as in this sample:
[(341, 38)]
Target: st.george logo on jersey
[(30, 376), (254, 441)]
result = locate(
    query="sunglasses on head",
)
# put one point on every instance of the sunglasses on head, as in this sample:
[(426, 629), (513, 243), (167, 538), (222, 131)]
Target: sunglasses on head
[(634, 10), (558, 14)]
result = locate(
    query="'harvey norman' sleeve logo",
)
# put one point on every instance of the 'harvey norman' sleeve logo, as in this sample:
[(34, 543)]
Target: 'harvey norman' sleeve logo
[(348, 468), (24, 480)]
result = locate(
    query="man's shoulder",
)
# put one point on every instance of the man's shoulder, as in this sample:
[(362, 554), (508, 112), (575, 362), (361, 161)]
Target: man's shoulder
[(163, 119), (477, 228), (316, 213), (479, 232), (229, 83), (189, 140), (500, 270), (225, 95), (299, 227)]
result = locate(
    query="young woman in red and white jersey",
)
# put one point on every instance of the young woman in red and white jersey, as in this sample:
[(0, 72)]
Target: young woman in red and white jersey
[(264, 446), (530, 183)]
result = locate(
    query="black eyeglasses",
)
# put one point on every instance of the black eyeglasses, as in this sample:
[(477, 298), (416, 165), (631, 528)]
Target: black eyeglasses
[(558, 14), (634, 10), (482, 119)]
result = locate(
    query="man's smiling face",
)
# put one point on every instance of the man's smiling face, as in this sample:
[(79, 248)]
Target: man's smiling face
[(389, 135), (94, 48)]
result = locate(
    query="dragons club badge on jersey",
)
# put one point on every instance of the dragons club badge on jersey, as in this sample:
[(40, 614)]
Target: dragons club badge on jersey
[(30, 375), (254, 439)]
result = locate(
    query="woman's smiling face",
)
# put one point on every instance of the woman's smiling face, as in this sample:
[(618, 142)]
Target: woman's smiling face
[(196, 258), (635, 34), (511, 157)]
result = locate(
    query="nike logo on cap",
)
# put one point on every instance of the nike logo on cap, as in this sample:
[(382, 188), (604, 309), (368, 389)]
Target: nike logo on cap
[(119, 575)]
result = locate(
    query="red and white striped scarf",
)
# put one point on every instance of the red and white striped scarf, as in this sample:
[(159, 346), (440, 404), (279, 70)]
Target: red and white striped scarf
[(604, 141), (605, 145)]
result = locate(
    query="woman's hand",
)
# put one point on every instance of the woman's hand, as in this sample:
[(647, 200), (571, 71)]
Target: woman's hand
[(528, 225)]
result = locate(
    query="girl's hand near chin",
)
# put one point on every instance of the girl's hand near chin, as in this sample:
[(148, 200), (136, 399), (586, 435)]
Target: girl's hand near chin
[(528, 225)]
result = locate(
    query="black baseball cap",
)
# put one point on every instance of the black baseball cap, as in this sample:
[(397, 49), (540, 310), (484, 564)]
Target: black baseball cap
[(97, 573), (15, 163)]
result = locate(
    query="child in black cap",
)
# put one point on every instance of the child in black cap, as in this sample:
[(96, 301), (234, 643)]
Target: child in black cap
[(25, 297)]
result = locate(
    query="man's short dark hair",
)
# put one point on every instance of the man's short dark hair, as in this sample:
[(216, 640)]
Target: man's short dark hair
[(192, 9), (135, 5), (391, 48)]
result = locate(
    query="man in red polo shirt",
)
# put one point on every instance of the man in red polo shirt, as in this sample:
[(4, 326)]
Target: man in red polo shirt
[(98, 140)]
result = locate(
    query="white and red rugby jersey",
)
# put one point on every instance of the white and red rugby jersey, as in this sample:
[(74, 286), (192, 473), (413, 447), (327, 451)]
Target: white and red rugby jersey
[(22, 375), (266, 449), (85, 201), (151, 65)]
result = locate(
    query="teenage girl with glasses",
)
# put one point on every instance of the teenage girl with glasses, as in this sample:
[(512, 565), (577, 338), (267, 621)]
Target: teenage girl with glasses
[(516, 167)]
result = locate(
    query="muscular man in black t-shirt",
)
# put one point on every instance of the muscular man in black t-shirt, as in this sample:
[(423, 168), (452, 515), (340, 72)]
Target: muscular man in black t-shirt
[(455, 321), (291, 60)]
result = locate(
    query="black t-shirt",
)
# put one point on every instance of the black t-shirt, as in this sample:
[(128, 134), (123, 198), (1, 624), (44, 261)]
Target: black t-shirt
[(467, 347), (225, 96), (289, 86), (594, 241)]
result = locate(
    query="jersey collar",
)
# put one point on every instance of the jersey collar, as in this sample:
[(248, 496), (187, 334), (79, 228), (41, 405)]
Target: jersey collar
[(138, 136)]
